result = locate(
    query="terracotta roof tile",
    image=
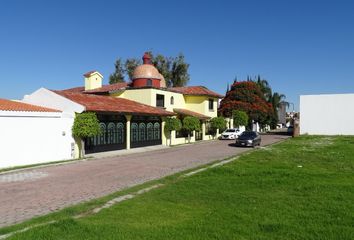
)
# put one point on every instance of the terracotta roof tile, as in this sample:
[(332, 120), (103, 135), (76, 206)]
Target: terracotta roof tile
[(108, 88), (88, 74), (8, 105), (186, 112), (195, 90), (99, 103), (75, 89)]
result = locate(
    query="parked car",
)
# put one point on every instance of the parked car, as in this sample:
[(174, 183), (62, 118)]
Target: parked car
[(249, 139), (231, 133)]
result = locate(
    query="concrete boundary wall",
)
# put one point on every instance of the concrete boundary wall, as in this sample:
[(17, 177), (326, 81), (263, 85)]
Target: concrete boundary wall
[(32, 138), (327, 114)]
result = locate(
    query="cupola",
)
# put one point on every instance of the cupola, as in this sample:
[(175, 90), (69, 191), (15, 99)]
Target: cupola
[(146, 75)]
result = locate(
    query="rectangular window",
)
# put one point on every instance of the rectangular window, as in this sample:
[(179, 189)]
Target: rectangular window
[(211, 104), (160, 100)]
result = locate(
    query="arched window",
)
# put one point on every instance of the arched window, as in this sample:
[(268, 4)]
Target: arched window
[(142, 132), (150, 131), (172, 100), (102, 137), (156, 131), (120, 132), (149, 82), (111, 133), (134, 132)]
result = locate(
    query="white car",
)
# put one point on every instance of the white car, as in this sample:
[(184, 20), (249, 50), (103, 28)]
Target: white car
[(231, 133)]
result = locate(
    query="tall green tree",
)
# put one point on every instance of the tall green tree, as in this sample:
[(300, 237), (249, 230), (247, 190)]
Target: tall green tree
[(179, 72), (118, 75), (173, 69), (130, 65), (265, 87), (277, 99), (163, 65)]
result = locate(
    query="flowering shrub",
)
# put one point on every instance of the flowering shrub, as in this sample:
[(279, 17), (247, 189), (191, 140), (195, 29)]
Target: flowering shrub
[(248, 97)]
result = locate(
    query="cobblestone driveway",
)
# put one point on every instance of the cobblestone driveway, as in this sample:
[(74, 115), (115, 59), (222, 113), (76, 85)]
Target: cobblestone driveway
[(30, 193)]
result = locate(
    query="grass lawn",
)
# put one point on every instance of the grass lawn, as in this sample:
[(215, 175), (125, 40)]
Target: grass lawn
[(302, 188)]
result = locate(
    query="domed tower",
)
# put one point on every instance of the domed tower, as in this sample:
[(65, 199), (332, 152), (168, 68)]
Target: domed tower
[(146, 75)]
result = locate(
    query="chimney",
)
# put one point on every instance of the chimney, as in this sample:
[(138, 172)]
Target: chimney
[(147, 58), (93, 80)]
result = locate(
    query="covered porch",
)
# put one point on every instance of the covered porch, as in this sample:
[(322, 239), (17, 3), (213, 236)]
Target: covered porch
[(126, 131)]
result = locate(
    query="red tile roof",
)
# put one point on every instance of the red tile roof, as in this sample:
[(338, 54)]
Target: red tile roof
[(8, 105), (89, 73), (108, 88), (99, 103), (75, 89), (195, 90), (186, 112)]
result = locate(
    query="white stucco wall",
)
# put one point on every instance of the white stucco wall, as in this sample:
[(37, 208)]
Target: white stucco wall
[(327, 114), (30, 138), (46, 98)]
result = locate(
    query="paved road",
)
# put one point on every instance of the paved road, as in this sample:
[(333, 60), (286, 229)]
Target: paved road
[(29, 193)]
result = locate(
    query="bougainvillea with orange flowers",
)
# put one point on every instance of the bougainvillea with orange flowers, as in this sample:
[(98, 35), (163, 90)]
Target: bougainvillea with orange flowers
[(247, 96)]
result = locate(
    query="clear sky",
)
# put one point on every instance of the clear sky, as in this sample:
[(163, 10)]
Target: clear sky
[(300, 47)]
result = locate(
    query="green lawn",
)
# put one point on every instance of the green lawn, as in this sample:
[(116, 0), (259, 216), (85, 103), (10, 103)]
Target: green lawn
[(300, 189)]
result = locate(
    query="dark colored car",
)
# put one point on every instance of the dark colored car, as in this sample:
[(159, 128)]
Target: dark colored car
[(249, 139)]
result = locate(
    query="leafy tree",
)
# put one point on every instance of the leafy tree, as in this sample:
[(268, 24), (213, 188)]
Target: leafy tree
[(240, 118), (277, 99), (179, 72), (217, 123), (130, 65), (163, 65), (85, 125), (174, 69), (247, 96), (265, 87), (191, 124), (173, 124), (118, 75)]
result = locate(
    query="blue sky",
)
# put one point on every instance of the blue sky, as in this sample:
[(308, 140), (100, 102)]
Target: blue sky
[(300, 47)]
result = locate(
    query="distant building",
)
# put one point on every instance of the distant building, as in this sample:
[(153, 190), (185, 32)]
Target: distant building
[(282, 113)]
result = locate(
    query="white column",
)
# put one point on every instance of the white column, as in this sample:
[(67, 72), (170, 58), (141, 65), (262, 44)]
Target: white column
[(163, 132), (203, 130), (173, 137), (127, 135), (193, 138)]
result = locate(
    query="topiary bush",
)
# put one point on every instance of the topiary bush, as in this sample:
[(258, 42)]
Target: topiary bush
[(85, 125)]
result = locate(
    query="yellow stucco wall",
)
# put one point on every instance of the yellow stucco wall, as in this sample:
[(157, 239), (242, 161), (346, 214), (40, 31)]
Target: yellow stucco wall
[(148, 96), (138, 95), (200, 104), (94, 81)]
